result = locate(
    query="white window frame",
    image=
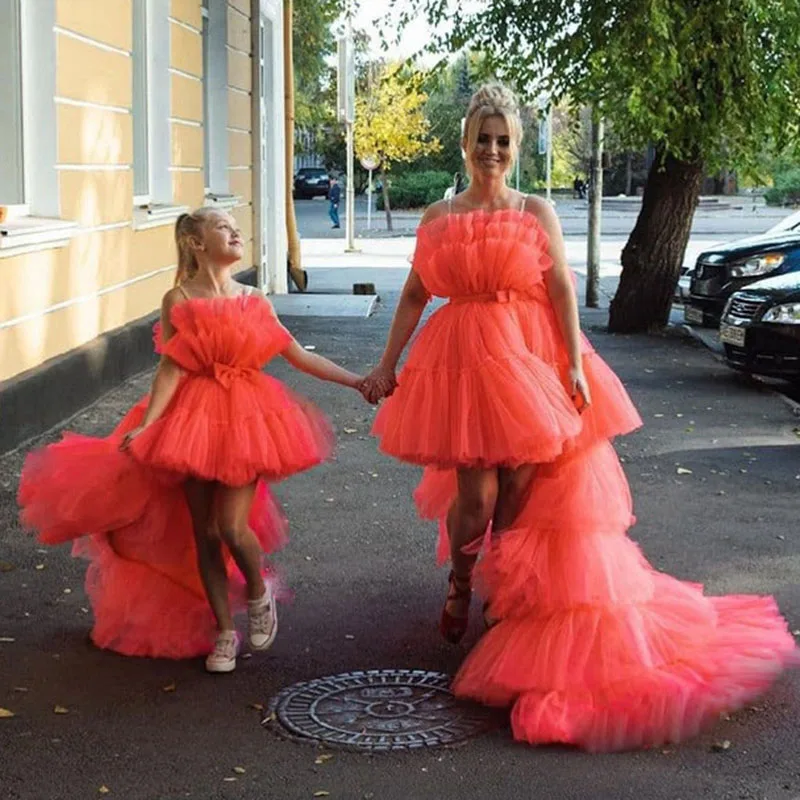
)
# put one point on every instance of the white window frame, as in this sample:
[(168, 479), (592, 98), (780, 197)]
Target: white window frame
[(28, 121), (12, 163), (151, 106), (215, 98)]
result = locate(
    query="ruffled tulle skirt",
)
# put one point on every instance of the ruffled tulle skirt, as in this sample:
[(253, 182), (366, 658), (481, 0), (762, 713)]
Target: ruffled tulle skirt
[(126, 511), (479, 389), (593, 646), (236, 432)]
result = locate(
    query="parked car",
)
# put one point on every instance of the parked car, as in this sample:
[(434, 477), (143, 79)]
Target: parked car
[(727, 268), (311, 182), (760, 328), (683, 285)]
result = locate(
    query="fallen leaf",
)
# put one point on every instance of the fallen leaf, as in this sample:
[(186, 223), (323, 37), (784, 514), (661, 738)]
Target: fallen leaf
[(349, 636), (720, 746), (170, 687), (239, 770), (322, 794), (310, 347), (350, 430), (324, 758), (6, 714), (60, 710), (257, 706), (7, 639), (103, 790), (683, 471), (658, 416), (796, 633), (67, 591), (230, 780), (20, 688), (6, 566), (330, 500), (40, 566)]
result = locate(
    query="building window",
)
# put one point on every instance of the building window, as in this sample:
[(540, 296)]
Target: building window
[(29, 197), (12, 170), (215, 96), (152, 183)]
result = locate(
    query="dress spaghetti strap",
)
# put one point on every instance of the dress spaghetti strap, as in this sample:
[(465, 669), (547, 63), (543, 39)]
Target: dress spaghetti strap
[(183, 291)]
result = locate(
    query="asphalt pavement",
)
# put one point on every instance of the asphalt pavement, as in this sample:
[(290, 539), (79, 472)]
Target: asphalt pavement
[(367, 594)]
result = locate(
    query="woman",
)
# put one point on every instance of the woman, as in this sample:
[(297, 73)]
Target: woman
[(511, 411), (175, 500)]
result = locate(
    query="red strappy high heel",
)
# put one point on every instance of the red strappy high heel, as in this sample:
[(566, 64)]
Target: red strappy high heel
[(451, 627)]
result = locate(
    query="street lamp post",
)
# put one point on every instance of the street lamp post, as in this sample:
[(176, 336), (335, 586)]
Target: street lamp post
[(347, 114)]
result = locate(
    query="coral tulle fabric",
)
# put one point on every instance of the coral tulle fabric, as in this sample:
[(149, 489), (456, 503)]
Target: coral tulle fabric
[(126, 511), (594, 647)]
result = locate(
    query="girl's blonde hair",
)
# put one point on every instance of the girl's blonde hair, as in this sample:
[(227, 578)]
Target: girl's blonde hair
[(492, 100), (188, 232)]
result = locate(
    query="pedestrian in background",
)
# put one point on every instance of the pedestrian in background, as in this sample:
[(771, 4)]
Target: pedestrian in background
[(334, 196)]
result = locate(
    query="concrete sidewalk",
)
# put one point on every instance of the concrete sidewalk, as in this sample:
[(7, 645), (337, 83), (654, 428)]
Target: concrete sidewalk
[(367, 595)]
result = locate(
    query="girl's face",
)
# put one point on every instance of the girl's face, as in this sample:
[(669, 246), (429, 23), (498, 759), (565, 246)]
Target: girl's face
[(492, 154), (222, 239)]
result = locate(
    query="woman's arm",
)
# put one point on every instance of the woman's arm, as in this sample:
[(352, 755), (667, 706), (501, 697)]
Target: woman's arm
[(561, 291), (168, 373), (319, 366)]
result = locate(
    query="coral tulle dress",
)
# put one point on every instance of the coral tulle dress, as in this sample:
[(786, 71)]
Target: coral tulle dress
[(594, 647), (126, 511)]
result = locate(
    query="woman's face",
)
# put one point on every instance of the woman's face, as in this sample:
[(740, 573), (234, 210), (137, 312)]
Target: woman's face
[(222, 240), (492, 154)]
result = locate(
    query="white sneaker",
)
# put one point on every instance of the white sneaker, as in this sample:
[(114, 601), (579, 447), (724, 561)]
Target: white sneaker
[(223, 657), (262, 615)]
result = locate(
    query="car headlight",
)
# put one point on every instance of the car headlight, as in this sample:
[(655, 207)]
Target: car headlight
[(786, 314), (758, 265)]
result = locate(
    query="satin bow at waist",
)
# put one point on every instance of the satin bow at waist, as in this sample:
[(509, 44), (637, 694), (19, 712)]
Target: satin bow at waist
[(500, 296), (226, 374)]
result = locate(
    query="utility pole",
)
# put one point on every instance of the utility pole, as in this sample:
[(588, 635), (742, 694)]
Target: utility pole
[(595, 212), (347, 114)]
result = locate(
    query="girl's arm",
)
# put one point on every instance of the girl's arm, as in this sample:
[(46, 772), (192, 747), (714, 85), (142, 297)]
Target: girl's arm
[(168, 373), (311, 363), (320, 367), (561, 291)]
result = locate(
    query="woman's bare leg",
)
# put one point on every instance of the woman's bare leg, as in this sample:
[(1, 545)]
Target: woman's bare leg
[(466, 524), (513, 488)]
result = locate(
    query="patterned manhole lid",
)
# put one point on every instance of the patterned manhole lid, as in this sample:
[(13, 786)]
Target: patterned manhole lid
[(378, 710)]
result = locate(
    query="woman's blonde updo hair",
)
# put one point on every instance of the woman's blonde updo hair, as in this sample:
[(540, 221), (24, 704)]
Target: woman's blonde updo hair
[(492, 100), (188, 234)]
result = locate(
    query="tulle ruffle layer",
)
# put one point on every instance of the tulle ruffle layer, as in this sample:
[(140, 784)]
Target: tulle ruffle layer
[(254, 427), (593, 646)]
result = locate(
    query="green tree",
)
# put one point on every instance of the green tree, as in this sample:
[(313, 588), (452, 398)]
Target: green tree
[(391, 125), (707, 83)]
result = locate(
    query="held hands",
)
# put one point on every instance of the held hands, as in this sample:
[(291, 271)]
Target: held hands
[(380, 383), (579, 389)]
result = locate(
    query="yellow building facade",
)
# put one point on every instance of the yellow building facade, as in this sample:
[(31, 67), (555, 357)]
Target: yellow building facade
[(123, 114)]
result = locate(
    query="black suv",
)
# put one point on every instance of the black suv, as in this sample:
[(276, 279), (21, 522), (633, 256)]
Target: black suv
[(760, 328), (725, 269), (311, 182)]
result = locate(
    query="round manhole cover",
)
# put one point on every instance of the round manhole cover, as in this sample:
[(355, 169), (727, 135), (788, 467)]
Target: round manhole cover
[(395, 709)]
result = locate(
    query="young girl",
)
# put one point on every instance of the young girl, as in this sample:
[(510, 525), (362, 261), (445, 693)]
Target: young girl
[(168, 505)]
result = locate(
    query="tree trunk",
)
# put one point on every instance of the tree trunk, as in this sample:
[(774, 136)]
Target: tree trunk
[(386, 206), (298, 274), (653, 255)]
